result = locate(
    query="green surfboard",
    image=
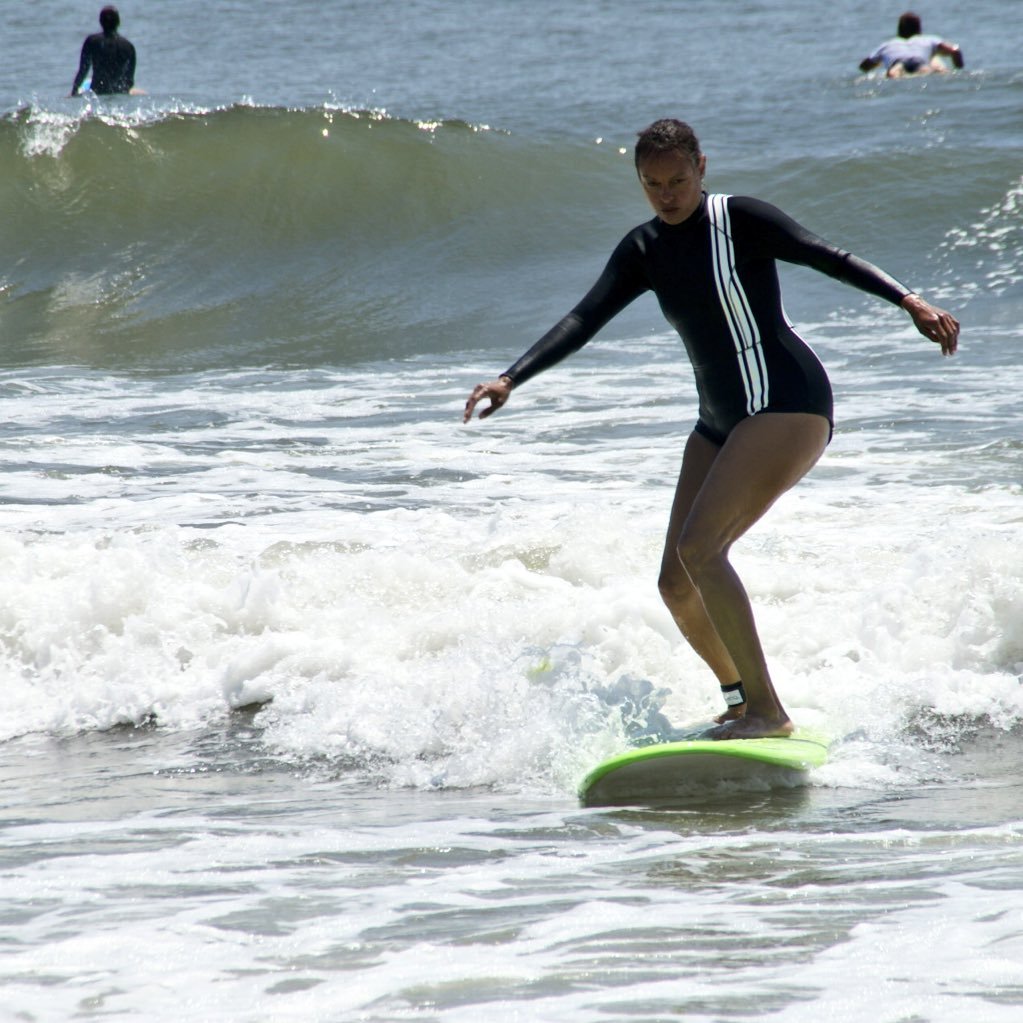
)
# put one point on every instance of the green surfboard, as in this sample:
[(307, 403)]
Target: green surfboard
[(671, 769)]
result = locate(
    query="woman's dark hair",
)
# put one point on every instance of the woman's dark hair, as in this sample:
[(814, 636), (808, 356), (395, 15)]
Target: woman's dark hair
[(667, 135)]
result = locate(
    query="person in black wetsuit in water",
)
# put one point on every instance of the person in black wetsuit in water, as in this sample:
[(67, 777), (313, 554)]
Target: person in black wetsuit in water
[(765, 412), (110, 55)]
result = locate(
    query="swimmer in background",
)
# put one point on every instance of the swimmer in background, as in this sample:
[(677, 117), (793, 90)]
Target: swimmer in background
[(111, 57), (911, 52)]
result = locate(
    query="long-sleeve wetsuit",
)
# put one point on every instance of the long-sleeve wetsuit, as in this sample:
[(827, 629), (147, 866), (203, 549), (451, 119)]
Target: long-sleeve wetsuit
[(112, 59), (716, 280)]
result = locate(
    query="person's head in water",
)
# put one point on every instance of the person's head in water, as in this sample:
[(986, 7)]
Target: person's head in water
[(909, 25), (667, 135), (109, 19)]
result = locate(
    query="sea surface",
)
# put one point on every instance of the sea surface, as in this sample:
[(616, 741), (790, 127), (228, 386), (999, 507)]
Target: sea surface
[(300, 674)]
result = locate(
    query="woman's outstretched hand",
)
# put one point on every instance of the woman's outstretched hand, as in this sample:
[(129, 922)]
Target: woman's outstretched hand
[(935, 324), (497, 391)]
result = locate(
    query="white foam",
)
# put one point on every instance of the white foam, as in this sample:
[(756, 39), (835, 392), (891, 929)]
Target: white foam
[(455, 606)]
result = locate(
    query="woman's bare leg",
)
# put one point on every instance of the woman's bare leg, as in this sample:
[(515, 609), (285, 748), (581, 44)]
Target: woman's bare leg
[(726, 491), (679, 594)]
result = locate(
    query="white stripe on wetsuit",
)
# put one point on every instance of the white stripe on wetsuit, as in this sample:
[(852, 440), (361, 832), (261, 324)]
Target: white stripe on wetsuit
[(735, 306)]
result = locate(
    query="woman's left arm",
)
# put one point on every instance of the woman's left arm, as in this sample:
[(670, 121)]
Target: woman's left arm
[(789, 240), (936, 324)]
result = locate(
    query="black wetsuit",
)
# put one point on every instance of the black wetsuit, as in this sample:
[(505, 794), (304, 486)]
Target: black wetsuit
[(716, 280), (112, 59)]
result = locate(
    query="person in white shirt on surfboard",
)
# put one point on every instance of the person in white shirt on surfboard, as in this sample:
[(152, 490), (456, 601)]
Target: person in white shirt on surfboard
[(910, 52)]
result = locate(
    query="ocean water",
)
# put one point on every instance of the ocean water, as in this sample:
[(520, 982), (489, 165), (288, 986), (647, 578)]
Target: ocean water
[(301, 674)]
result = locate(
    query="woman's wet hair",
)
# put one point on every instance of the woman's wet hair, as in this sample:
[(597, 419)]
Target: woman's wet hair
[(667, 135)]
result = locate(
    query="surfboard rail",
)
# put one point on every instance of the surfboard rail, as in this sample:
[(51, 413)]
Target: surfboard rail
[(663, 769)]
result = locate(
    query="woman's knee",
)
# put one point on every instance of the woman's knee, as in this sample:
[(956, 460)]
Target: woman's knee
[(675, 586), (697, 553)]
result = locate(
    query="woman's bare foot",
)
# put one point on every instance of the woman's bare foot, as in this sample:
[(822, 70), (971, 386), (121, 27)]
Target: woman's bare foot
[(751, 727), (732, 714)]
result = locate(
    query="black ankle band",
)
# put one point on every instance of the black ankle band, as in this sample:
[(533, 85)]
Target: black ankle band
[(734, 694)]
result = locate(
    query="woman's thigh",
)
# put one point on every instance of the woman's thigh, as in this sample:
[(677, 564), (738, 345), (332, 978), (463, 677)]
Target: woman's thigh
[(697, 460), (763, 457)]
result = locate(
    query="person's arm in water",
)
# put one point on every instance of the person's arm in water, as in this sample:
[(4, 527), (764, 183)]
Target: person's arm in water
[(84, 63), (130, 71), (952, 51), (874, 60)]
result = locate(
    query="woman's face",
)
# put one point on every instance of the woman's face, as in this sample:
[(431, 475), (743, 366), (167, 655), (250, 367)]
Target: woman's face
[(673, 184)]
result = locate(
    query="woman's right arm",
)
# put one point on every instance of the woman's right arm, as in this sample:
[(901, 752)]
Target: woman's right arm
[(619, 284)]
